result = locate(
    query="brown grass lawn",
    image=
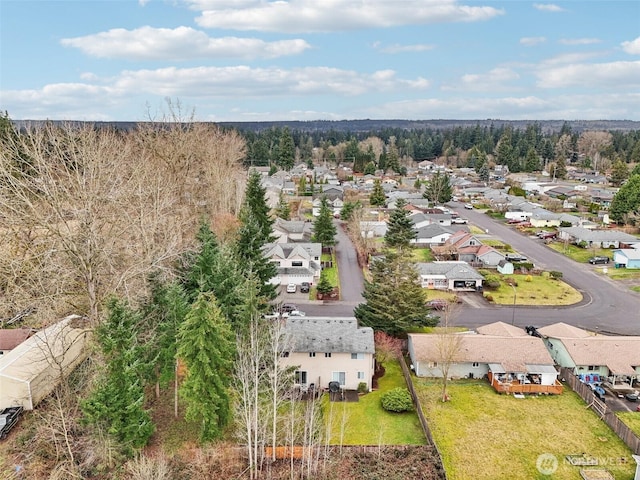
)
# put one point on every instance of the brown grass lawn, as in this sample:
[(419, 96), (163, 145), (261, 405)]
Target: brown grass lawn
[(484, 435), (535, 290)]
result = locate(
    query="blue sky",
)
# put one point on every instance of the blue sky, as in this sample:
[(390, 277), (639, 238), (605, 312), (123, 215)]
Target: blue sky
[(253, 60)]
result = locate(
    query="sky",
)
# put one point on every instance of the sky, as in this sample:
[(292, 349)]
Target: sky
[(264, 60)]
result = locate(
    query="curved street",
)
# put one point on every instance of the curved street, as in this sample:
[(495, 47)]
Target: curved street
[(606, 307)]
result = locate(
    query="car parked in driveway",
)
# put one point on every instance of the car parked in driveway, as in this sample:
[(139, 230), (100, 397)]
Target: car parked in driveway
[(292, 288), (597, 260), (305, 287), (437, 304), (468, 206)]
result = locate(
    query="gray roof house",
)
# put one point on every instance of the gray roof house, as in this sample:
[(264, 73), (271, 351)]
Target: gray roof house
[(454, 275), (289, 231), (295, 262), (329, 349), (432, 234), (597, 238)]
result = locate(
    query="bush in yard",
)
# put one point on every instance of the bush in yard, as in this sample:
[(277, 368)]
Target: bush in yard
[(397, 400), (555, 274), (362, 387), (492, 281)]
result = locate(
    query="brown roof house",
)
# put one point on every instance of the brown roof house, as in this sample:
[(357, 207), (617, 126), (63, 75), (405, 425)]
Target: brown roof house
[(615, 357), (512, 362), (10, 338)]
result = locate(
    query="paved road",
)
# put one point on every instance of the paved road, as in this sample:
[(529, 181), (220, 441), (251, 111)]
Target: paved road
[(606, 305)]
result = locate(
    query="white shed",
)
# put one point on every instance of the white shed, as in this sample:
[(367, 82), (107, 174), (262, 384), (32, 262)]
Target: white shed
[(29, 372)]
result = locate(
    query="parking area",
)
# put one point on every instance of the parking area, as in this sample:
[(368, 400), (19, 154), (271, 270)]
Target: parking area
[(617, 402)]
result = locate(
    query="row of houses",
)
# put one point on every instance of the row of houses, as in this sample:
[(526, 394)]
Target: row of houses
[(514, 361)]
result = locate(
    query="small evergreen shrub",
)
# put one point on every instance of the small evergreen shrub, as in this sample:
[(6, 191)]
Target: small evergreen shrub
[(362, 387), (397, 400), (555, 274)]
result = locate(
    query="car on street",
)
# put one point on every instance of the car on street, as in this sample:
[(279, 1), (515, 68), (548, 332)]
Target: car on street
[(288, 307), (598, 260), (515, 257), (305, 287), (632, 397), (459, 220), (297, 313), (468, 206), (437, 304), (292, 288)]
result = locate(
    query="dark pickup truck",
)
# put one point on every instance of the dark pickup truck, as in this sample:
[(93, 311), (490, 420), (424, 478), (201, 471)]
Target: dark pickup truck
[(8, 418)]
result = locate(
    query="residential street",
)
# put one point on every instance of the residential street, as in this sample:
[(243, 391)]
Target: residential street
[(606, 306)]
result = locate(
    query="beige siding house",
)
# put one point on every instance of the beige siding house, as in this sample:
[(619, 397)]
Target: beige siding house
[(327, 350), (29, 372)]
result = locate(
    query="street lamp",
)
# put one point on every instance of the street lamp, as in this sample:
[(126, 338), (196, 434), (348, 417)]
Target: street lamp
[(513, 314)]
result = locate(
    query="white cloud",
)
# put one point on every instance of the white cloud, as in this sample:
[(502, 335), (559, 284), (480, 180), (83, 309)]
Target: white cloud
[(305, 16), (497, 78), (181, 43), (532, 41), (397, 48), (579, 41), (632, 47), (548, 7), (613, 75), (571, 58)]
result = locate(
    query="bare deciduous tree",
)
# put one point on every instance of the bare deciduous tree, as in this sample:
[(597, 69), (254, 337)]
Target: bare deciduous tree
[(447, 346)]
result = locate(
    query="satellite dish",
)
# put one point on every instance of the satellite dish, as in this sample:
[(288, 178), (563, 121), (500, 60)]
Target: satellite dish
[(334, 387)]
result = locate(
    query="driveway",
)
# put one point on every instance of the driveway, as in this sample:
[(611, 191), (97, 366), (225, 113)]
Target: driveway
[(606, 306)]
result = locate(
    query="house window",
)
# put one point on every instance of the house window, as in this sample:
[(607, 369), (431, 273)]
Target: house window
[(327, 354), (312, 354), (301, 377), (591, 368), (357, 356), (475, 364), (360, 375), (284, 354), (296, 263), (432, 364), (340, 377)]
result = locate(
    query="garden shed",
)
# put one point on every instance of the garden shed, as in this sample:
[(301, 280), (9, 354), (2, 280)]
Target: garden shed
[(29, 372)]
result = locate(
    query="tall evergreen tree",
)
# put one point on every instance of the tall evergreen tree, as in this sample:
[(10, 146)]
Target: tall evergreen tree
[(206, 345), (626, 202), (117, 403), (255, 201), (400, 228), (484, 172), (377, 197), (438, 189), (394, 298), (532, 161), (284, 209), (286, 150), (324, 230), (619, 173), (250, 254)]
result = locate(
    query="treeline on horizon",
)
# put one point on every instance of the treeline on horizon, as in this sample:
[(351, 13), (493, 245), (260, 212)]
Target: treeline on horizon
[(520, 144)]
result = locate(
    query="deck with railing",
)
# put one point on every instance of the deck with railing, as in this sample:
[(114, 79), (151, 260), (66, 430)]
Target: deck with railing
[(515, 386)]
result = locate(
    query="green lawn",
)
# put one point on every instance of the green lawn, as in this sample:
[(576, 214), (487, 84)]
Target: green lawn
[(540, 290), (422, 255), (632, 420), (331, 273), (367, 423), (579, 254), (484, 435)]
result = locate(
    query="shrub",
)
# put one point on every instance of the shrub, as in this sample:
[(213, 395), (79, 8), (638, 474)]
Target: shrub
[(362, 387), (397, 400), (492, 281), (489, 297), (555, 274)]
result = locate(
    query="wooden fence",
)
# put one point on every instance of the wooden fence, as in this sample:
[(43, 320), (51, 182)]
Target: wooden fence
[(416, 402), (606, 414)]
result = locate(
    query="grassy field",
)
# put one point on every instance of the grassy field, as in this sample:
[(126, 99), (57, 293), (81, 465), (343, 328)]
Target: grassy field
[(331, 273), (484, 435), (540, 290), (580, 255), (632, 420), (422, 255), (367, 423)]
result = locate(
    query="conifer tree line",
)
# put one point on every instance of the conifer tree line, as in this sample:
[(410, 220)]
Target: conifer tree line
[(522, 149), (137, 232)]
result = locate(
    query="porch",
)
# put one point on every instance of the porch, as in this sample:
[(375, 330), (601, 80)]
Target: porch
[(527, 383)]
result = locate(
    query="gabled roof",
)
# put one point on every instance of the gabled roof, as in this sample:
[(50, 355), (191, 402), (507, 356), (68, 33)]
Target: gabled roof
[(630, 253), (454, 270), (432, 230), (290, 250), (563, 330), (325, 334), (514, 354), (619, 354), (599, 235), (501, 329)]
